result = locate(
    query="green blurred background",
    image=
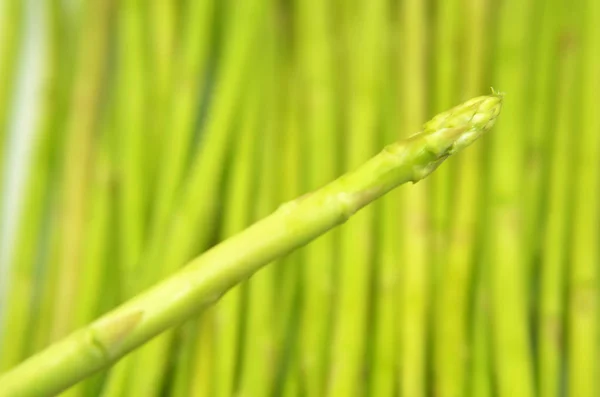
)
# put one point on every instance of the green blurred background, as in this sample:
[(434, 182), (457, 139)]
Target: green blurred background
[(135, 134)]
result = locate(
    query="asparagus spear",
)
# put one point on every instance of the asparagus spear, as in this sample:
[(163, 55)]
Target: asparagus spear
[(17, 315), (315, 58), (478, 381), (383, 368), (205, 279), (450, 333), (583, 275), (10, 37), (505, 254), (78, 161), (554, 255), (349, 338), (132, 126), (416, 241)]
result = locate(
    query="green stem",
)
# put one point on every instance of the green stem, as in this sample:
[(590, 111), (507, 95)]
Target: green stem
[(315, 59), (451, 342), (583, 275), (11, 27), (189, 81), (132, 127), (205, 279), (554, 254), (506, 254), (78, 162), (416, 241), (20, 298), (357, 243)]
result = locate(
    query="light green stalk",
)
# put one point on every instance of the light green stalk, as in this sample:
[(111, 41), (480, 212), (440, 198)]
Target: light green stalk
[(506, 248), (583, 325), (478, 15), (20, 298), (194, 213), (133, 132), (257, 358), (543, 82), (97, 245), (204, 280), (65, 43), (445, 58), (349, 334), (287, 308), (451, 337), (11, 27), (316, 68), (78, 161), (240, 201), (416, 236), (551, 344), (189, 81), (162, 27), (385, 340)]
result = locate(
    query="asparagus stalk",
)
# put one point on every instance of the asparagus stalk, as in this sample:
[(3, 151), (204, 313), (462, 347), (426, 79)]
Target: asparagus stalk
[(97, 244), (385, 341), (446, 45), (17, 314), (512, 355), (478, 383), (415, 232), (451, 342), (349, 344), (131, 88), (65, 42), (194, 213), (10, 37), (80, 136), (162, 27), (205, 279), (238, 212), (190, 65), (583, 276), (554, 255), (257, 357), (287, 307), (190, 80), (544, 85), (315, 57)]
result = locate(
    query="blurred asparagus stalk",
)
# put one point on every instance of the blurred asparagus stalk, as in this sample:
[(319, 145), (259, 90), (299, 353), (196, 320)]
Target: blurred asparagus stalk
[(446, 44), (583, 276), (357, 244), (240, 201), (451, 336), (11, 24), (554, 255), (20, 298), (258, 350), (506, 251), (189, 82), (81, 129), (315, 60), (384, 346), (287, 382), (416, 222), (95, 269), (478, 382), (209, 276), (133, 133)]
